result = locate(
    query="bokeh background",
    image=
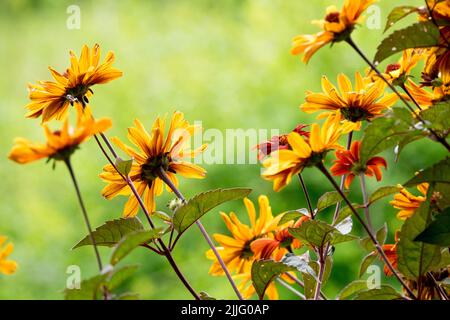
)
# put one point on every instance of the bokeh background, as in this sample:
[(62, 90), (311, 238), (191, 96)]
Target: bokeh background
[(226, 63)]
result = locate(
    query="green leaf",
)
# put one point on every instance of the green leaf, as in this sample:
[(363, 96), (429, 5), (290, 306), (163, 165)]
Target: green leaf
[(111, 232), (439, 172), (381, 234), (366, 262), (162, 215), (346, 212), (351, 289), (399, 13), (416, 258), (438, 116), (119, 275), (124, 166), (264, 272), (382, 192), (132, 241), (438, 232), (329, 199), (89, 289), (310, 281), (385, 292), (317, 233), (292, 215), (200, 204), (418, 35), (206, 296)]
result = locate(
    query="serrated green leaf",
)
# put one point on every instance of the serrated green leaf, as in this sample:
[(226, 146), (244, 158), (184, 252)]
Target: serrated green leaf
[(119, 275), (416, 258), (90, 289), (351, 289), (397, 14), (438, 231), (310, 281), (438, 116), (418, 35), (132, 241), (317, 233), (381, 234), (366, 262), (437, 173), (328, 199), (385, 292), (264, 272), (200, 204), (382, 192), (345, 212), (110, 233), (292, 215), (124, 166)]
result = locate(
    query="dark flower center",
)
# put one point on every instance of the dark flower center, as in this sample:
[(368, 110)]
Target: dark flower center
[(392, 67), (247, 252), (332, 17), (149, 170), (355, 114), (78, 94)]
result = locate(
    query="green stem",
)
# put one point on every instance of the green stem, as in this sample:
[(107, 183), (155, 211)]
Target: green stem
[(366, 201), (321, 273), (84, 211), (372, 237), (163, 176), (306, 193), (291, 289)]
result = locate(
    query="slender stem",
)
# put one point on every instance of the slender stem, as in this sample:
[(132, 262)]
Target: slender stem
[(342, 182), (441, 291), (163, 176), (84, 211), (403, 86), (374, 68), (366, 201), (308, 199), (130, 183), (322, 168), (321, 273), (302, 285), (109, 145), (287, 286)]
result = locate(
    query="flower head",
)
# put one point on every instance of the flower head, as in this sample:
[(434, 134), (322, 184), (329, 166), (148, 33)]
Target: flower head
[(282, 165), (348, 163), (154, 153), (236, 250), (336, 26), (364, 101), (60, 143), (7, 267), (51, 99), (408, 203)]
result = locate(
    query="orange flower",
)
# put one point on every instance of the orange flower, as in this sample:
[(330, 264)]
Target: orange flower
[(407, 202), (390, 250), (337, 26), (7, 267), (348, 163), (60, 143), (279, 244), (51, 99)]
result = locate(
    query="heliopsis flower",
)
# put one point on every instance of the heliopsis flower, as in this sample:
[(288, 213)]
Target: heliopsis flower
[(407, 203), (7, 267), (60, 143), (154, 154), (427, 98), (279, 244), (279, 142), (348, 163), (282, 165), (337, 26), (236, 250), (51, 99), (364, 101)]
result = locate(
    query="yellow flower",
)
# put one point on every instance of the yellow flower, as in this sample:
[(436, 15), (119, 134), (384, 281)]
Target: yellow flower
[(336, 26), (284, 164), (7, 267), (407, 203), (364, 101), (51, 99), (236, 251), (154, 154), (60, 143)]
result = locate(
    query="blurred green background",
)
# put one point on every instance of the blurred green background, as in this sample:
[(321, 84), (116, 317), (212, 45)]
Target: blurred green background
[(226, 63)]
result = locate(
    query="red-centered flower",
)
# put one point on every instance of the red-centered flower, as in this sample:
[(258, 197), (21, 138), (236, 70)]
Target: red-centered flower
[(279, 142), (348, 163)]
